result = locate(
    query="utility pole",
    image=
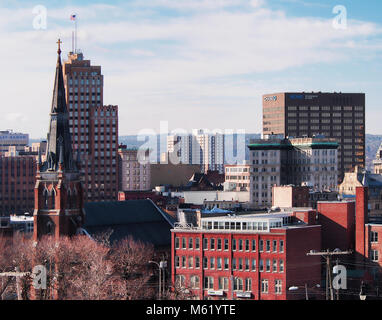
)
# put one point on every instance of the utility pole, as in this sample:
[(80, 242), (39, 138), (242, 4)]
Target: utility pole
[(17, 274), (327, 256)]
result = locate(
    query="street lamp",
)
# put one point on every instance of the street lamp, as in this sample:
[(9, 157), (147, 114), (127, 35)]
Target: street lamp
[(161, 266)]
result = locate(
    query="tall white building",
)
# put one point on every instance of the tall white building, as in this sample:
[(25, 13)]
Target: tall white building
[(201, 148), (308, 162)]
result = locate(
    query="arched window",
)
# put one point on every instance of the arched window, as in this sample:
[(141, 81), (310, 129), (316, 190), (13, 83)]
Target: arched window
[(46, 198), (53, 195)]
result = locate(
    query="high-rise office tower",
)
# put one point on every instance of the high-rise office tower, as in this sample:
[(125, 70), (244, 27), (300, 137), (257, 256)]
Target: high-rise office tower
[(334, 115), (94, 128)]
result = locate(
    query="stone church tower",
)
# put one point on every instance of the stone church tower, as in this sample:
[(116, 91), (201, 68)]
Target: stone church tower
[(58, 190)]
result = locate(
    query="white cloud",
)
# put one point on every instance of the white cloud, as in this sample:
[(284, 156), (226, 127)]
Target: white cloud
[(184, 68)]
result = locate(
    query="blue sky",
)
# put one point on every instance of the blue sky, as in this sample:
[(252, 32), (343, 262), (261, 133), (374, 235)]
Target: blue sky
[(193, 63)]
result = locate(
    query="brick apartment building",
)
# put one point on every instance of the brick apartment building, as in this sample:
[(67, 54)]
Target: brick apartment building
[(335, 115), (93, 127), (256, 257)]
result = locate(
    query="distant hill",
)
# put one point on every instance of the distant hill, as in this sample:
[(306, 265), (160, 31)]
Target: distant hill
[(372, 144)]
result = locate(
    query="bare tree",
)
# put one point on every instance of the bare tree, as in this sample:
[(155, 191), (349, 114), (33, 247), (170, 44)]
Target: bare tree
[(130, 260)]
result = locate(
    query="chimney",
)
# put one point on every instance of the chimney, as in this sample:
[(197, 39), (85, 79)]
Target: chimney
[(361, 218)]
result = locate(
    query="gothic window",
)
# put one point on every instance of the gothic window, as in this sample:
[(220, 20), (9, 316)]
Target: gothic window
[(53, 195), (46, 198)]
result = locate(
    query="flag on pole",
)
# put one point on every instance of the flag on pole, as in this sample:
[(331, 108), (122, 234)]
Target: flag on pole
[(73, 17)]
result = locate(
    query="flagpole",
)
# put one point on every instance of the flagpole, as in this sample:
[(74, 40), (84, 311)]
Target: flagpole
[(75, 27)]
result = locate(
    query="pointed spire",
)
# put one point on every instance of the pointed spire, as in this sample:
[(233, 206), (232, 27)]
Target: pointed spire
[(59, 144)]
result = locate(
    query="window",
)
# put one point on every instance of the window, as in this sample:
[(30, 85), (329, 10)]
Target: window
[(184, 243), (205, 263), (233, 264), (274, 265), (268, 245), (253, 245), (253, 264), (219, 263), (281, 265), (238, 284), (208, 282), (226, 263), (212, 263), (190, 243), (374, 236), (195, 282), (177, 262), (240, 264), (241, 245), (212, 244), (219, 244), (261, 265), (176, 243), (246, 245), (226, 244), (248, 284), (205, 244), (197, 243), (183, 262), (261, 245), (268, 265), (223, 283), (264, 286), (180, 281), (274, 245), (190, 262), (281, 245), (246, 264), (234, 244), (278, 286), (197, 262), (374, 255)]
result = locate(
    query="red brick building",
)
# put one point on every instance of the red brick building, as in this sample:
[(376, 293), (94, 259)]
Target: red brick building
[(338, 224), (252, 256), (17, 179)]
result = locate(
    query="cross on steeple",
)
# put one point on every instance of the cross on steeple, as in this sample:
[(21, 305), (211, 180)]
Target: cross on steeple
[(59, 46)]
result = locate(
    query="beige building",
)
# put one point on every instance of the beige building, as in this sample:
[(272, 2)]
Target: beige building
[(377, 163), (361, 178), (237, 177)]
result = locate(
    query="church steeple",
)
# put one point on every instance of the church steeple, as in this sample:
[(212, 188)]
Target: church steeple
[(58, 190), (59, 134)]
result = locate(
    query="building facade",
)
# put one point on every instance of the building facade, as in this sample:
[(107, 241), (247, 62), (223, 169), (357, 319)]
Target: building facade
[(205, 149), (301, 161), (361, 178), (94, 128), (9, 138), (250, 257), (237, 177), (335, 115), (17, 181)]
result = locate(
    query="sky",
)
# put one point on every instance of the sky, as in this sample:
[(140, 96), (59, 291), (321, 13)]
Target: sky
[(191, 63)]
